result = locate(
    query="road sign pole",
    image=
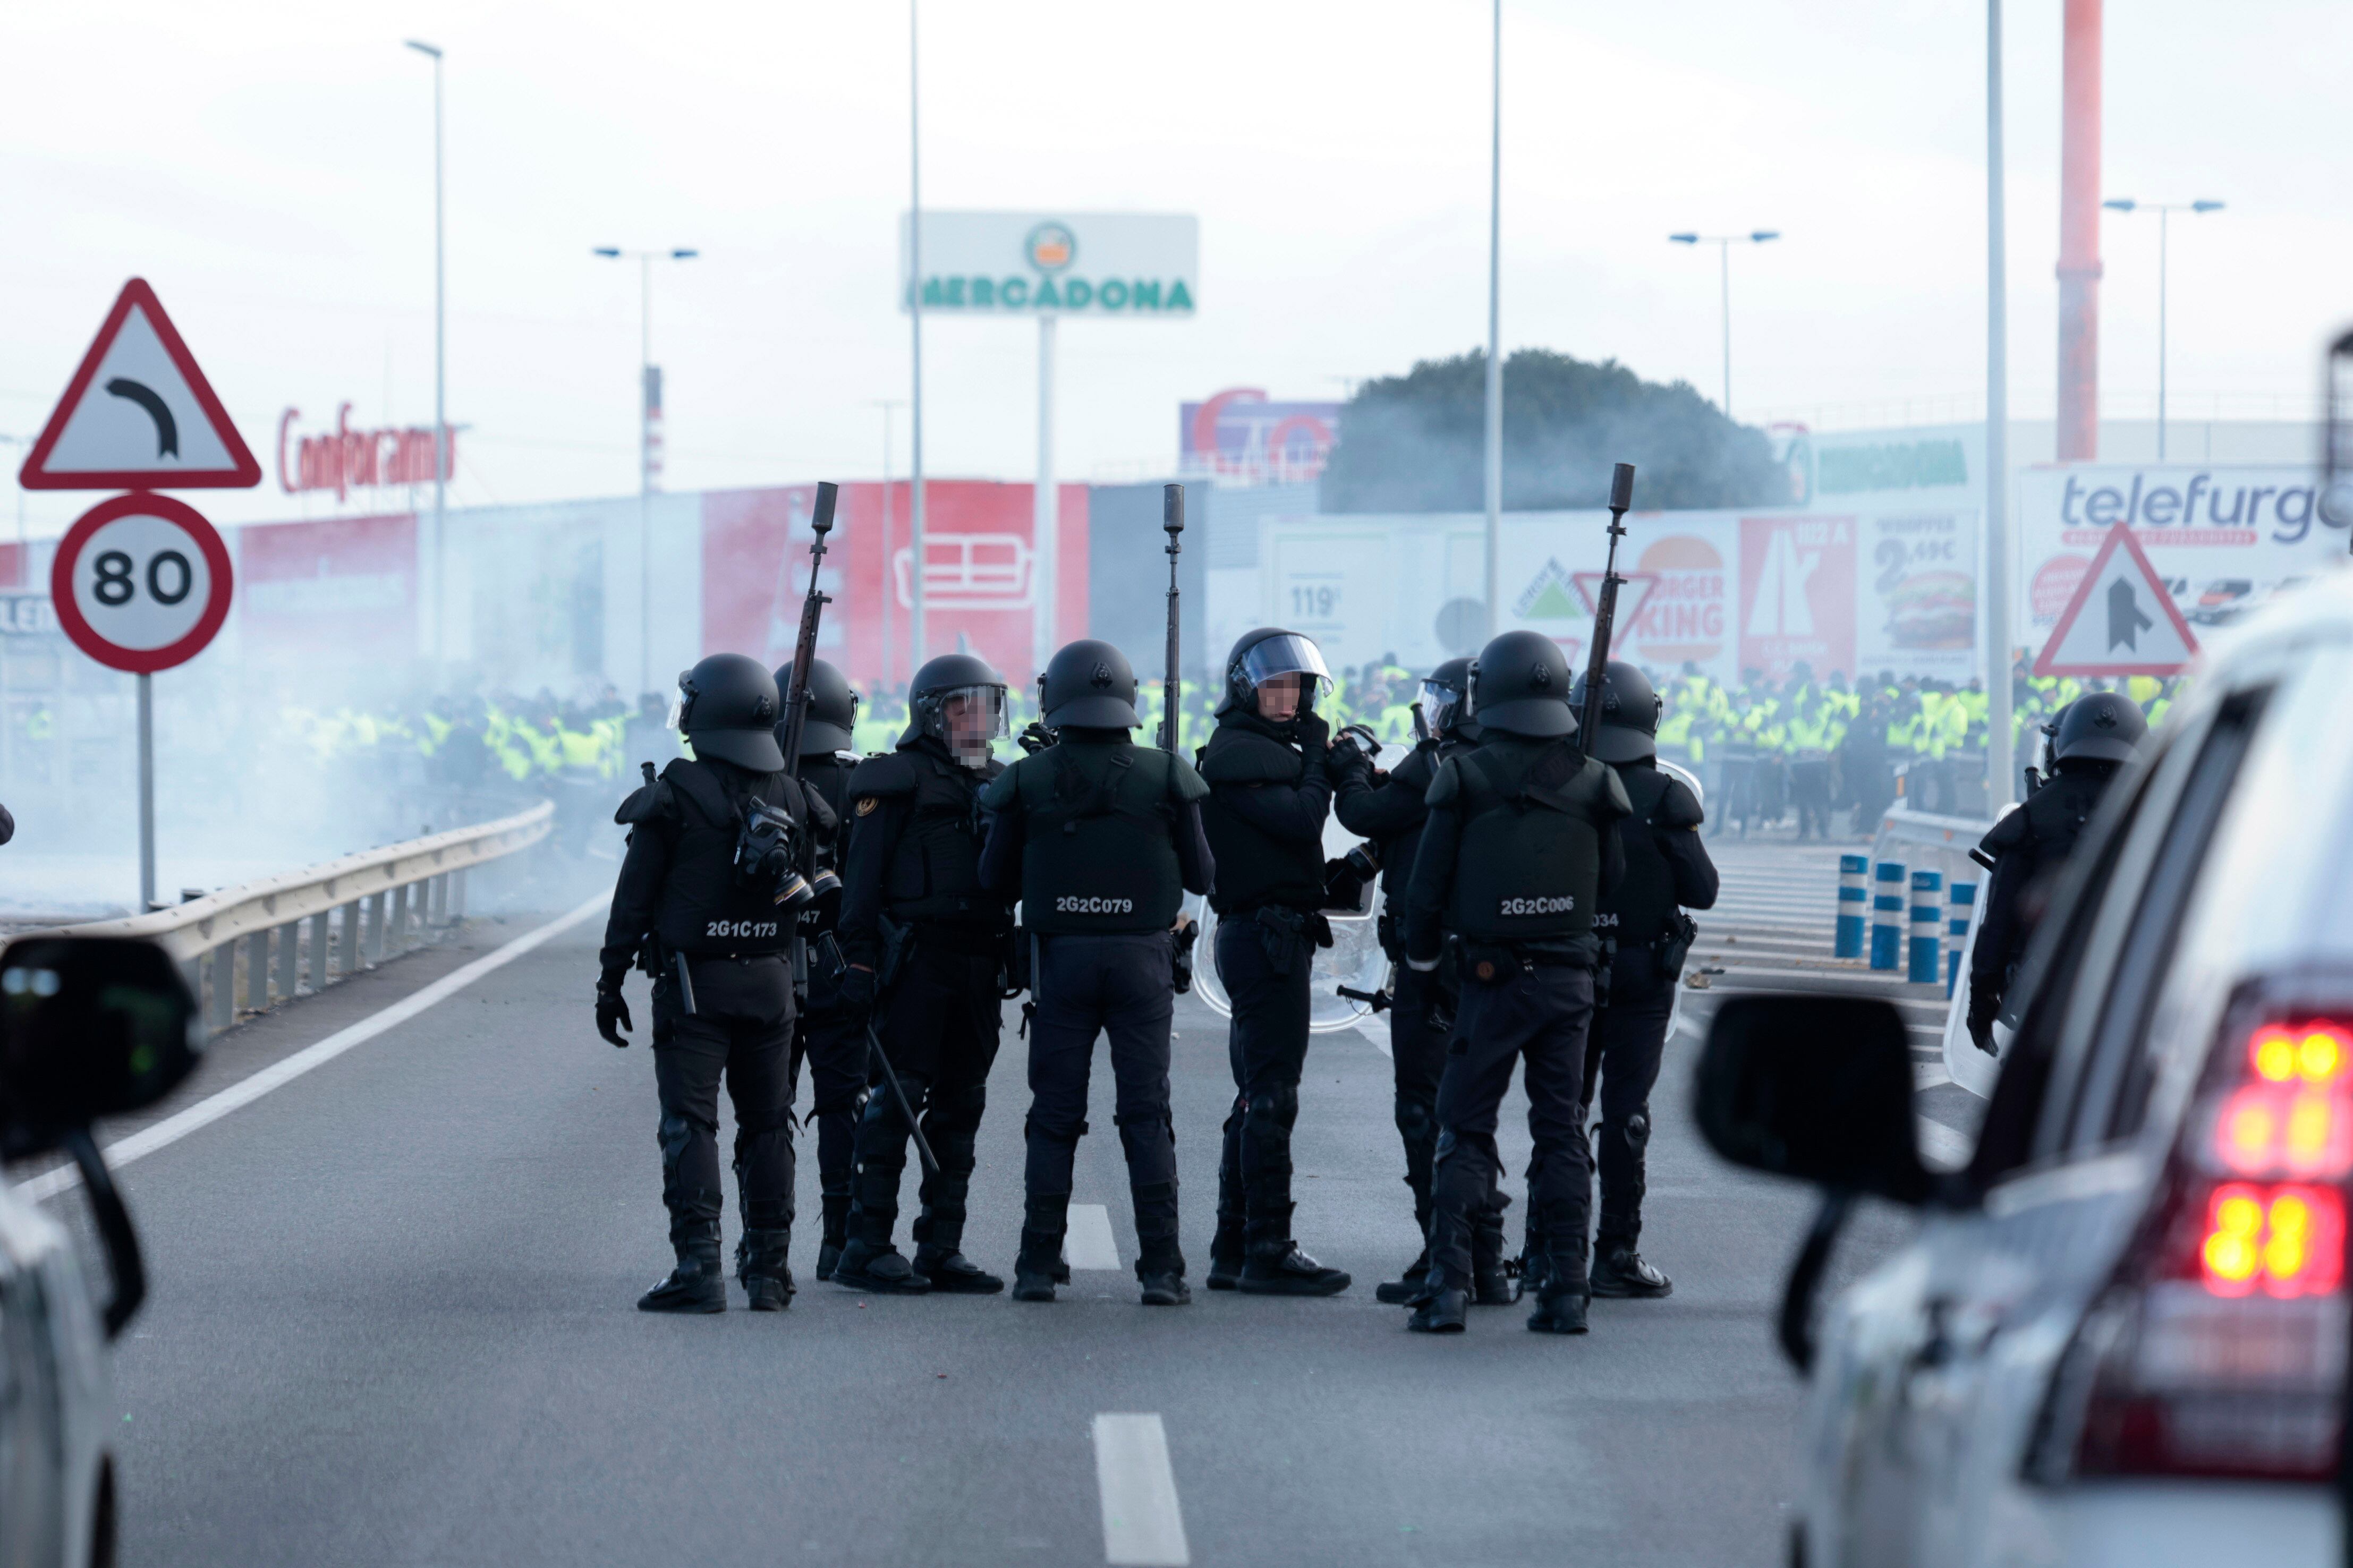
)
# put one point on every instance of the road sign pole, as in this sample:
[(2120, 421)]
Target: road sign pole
[(146, 792)]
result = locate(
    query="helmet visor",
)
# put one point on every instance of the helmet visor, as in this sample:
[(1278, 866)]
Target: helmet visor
[(1440, 705), (1288, 654), (973, 717)]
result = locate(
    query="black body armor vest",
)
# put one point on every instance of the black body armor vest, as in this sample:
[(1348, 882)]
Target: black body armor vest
[(1530, 856), (1098, 852), (706, 909), (1255, 867), (1636, 911), (933, 875)]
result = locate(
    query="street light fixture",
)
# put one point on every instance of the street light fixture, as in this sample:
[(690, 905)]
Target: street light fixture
[(1723, 244), (648, 435), (2164, 211)]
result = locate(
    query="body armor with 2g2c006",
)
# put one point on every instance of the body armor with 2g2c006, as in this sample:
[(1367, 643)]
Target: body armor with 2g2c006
[(1088, 685), (709, 908), (1639, 909), (934, 874), (1254, 867), (1529, 859), (1098, 851), (1629, 730)]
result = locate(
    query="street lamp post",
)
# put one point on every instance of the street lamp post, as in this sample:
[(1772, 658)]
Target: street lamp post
[(1723, 244), (2164, 211), (1494, 453), (915, 347), (890, 407), (649, 438), (440, 347)]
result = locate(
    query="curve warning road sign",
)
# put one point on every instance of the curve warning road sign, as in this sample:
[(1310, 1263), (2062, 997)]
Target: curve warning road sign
[(141, 582), (139, 415)]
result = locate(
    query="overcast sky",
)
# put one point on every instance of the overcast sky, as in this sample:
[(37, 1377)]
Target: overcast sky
[(267, 167)]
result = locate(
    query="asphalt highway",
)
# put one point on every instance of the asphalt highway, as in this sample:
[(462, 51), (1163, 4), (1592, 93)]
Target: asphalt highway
[(392, 1322)]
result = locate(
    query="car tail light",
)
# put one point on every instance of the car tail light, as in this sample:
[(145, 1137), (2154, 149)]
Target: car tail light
[(2220, 1349)]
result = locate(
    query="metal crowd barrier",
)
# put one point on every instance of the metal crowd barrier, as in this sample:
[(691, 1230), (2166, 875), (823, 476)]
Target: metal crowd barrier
[(291, 935)]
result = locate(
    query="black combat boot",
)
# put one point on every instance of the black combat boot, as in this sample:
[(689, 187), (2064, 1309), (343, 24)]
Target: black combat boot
[(767, 1278), (1274, 1266), (1491, 1283), (1160, 1262), (867, 1261), (696, 1284), (1560, 1303), (837, 1234), (1407, 1287), (1618, 1271), (1043, 1222), (1225, 1251), (1443, 1310)]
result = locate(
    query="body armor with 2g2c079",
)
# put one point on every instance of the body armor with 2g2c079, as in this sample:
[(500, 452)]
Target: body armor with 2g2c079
[(1254, 867), (935, 869), (1098, 849), (707, 908), (1529, 859)]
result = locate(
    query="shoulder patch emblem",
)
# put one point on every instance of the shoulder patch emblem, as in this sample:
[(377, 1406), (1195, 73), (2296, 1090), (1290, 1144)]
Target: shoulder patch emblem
[(866, 804)]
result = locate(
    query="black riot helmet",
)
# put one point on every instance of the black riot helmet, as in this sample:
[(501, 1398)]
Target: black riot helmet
[(2098, 727), (1258, 657), (832, 712), (727, 706), (1089, 684), (1520, 686), (1445, 704), (985, 720), (1629, 730)]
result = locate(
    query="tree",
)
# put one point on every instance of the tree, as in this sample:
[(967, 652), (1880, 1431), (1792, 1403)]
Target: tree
[(1417, 442)]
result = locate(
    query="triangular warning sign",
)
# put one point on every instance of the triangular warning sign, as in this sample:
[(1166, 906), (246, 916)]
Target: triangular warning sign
[(1633, 593), (139, 415), (2121, 620)]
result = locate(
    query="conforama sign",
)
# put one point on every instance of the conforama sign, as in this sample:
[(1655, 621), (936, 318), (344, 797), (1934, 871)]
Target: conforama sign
[(1070, 264), (344, 459)]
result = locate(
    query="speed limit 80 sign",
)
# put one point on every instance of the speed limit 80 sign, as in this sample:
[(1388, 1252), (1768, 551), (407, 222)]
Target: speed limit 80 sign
[(141, 582)]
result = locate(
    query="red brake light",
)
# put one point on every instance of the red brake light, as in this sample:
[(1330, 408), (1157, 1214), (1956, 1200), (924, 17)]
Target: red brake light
[(2285, 1241)]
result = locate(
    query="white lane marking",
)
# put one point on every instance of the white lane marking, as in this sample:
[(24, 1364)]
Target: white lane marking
[(1943, 1144), (1373, 1029), (246, 1090), (1929, 1075), (1142, 1526), (1087, 1243)]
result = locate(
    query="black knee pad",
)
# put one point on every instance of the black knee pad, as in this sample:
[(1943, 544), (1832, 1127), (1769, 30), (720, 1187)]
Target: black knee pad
[(959, 1108), (675, 1135), (1417, 1120), (1638, 1131), (1279, 1104)]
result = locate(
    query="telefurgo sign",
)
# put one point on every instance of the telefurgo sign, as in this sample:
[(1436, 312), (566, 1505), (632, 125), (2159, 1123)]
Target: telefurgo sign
[(1069, 264)]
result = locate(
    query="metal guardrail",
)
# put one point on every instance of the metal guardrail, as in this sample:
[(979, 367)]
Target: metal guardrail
[(293, 934)]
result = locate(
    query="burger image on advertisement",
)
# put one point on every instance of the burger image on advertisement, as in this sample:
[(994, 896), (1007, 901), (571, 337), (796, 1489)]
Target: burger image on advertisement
[(1933, 609)]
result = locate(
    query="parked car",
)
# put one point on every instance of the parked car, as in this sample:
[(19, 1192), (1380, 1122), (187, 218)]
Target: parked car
[(2224, 600), (2120, 1334), (89, 1028)]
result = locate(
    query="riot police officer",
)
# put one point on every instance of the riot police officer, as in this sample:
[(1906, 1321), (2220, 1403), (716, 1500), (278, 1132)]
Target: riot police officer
[(1270, 791), (2094, 735), (832, 1042), (926, 946), (1667, 871), (1521, 840), (698, 904), (1390, 809), (1101, 840)]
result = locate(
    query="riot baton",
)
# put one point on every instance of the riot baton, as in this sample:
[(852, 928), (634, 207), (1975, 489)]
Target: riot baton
[(797, 698), (1597, 668), (890, 1076), (1172, 519)]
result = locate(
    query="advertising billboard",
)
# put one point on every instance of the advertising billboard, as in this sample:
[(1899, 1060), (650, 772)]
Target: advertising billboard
[(1104, 266), (2221, 538), (1238, 435)]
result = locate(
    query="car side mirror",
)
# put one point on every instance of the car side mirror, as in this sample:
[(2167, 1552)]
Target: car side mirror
[(90, 1027), (1814, 1086)]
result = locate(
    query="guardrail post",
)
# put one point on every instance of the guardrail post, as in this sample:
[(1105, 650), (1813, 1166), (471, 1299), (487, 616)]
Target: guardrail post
[(347, 941), (1853, 906), (1962, 909), (378, 906), (1887, 915), (289, 961), (1928, 941), (256, 971), (399, 921), (319, 923), (458, 894), (224, 987)]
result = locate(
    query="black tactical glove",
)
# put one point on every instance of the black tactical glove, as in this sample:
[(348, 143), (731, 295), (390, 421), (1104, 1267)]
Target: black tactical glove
[(1315, 733), (1355, 740), (1033, 739), (857, 992), (1980, 1025), (613, 1014)]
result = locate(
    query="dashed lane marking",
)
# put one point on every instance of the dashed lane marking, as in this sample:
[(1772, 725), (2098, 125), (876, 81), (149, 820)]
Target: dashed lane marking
[(246, 1090), (1087, 1243), (1142, 1525)]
